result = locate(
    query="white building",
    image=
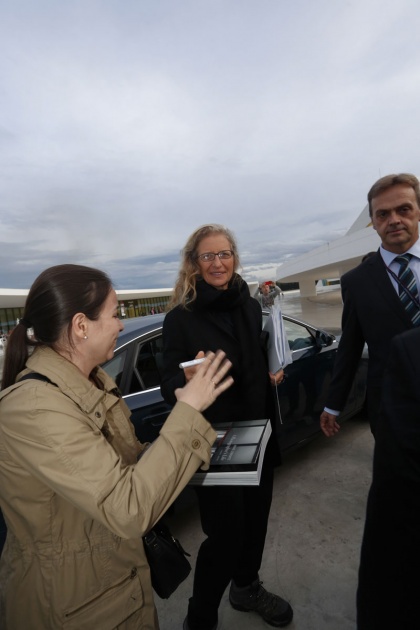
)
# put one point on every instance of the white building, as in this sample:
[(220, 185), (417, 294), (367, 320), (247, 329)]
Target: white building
[(332, 260)]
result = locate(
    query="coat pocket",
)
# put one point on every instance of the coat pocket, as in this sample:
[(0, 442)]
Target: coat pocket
[(107, 608)]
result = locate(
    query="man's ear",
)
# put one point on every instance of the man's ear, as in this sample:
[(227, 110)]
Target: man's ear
[(80, 326)]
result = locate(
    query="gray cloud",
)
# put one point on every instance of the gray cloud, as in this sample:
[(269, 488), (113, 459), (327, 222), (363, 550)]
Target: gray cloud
[(125, 125)]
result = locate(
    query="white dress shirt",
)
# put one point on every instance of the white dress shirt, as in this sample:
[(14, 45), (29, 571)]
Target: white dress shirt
[(414, 264)]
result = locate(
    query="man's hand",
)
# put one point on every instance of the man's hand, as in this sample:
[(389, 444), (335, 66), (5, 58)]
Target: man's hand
[(329, 424)]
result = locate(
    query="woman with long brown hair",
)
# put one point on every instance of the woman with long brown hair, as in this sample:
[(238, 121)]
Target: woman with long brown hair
[(77, 490)]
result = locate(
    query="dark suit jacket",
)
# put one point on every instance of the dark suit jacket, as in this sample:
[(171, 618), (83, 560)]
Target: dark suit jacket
[(372, 314), (389, 574)]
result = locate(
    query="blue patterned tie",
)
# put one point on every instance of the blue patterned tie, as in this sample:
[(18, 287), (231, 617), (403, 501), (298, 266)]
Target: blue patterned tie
[(406, 277)]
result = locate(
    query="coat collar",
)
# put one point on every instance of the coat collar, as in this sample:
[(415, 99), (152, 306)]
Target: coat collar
[(68, 378)]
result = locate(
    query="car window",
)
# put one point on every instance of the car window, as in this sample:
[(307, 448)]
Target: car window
[(146, 373), (115, 366), (298, 336)]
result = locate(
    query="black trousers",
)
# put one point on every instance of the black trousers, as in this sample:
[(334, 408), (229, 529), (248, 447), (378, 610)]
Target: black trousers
[(373, 404), (389, 576), (234, 519)]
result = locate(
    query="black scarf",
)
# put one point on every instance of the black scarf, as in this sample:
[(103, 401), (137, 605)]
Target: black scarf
[(231, 309), (209, 298)]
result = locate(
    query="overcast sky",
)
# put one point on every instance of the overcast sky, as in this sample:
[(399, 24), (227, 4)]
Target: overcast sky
[(126, 124)]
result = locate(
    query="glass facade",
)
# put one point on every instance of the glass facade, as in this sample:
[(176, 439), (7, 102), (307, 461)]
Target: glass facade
[(143, 306), (8, 319), (128, 308)]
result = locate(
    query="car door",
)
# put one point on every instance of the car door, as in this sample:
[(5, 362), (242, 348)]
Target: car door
[(136, 370), (299, 400)]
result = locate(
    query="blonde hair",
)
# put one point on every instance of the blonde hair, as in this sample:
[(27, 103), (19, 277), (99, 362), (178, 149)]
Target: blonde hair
[(185, 291)]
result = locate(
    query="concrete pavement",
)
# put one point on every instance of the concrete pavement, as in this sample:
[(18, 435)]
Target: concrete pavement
[(316, 523), (315, 529)]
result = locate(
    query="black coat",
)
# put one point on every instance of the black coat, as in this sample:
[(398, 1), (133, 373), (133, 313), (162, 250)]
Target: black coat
[(389, 575), (372, 314), (186, 332)]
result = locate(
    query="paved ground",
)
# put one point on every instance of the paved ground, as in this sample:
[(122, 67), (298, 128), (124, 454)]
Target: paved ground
[(315, 529)]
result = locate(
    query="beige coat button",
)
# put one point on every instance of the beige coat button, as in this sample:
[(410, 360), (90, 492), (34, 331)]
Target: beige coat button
[(196, 444)]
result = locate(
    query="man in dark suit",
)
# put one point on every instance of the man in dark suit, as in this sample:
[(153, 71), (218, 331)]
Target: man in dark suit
[(373, 311), (389, 575)]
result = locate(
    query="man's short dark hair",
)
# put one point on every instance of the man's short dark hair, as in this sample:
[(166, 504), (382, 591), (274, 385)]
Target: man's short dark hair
[(406, 179)]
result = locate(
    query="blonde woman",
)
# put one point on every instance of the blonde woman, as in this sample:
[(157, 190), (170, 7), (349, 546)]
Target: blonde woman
[(212, 309)]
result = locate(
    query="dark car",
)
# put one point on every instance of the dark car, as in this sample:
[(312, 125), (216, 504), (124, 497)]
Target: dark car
[(138, 358), (136, 369)]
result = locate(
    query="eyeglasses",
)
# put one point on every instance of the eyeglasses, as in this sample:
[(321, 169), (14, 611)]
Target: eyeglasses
[(210, 256)]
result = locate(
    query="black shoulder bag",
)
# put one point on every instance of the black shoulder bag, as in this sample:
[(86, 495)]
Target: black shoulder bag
[(167, 560)]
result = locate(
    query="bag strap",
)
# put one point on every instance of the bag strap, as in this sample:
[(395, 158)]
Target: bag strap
[(37, 376)]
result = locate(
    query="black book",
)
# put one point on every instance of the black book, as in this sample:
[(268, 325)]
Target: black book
[(237, 454)]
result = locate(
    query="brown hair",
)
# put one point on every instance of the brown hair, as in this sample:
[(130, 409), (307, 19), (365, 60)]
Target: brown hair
[(54, 298), (185, 286), (407, 179)]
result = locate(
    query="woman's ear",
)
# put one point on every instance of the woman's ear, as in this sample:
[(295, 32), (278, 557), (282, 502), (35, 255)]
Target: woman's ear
[(80, 326)]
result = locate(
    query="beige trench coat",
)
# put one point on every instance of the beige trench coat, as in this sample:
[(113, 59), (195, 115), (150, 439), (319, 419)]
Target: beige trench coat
[(77, 502)]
